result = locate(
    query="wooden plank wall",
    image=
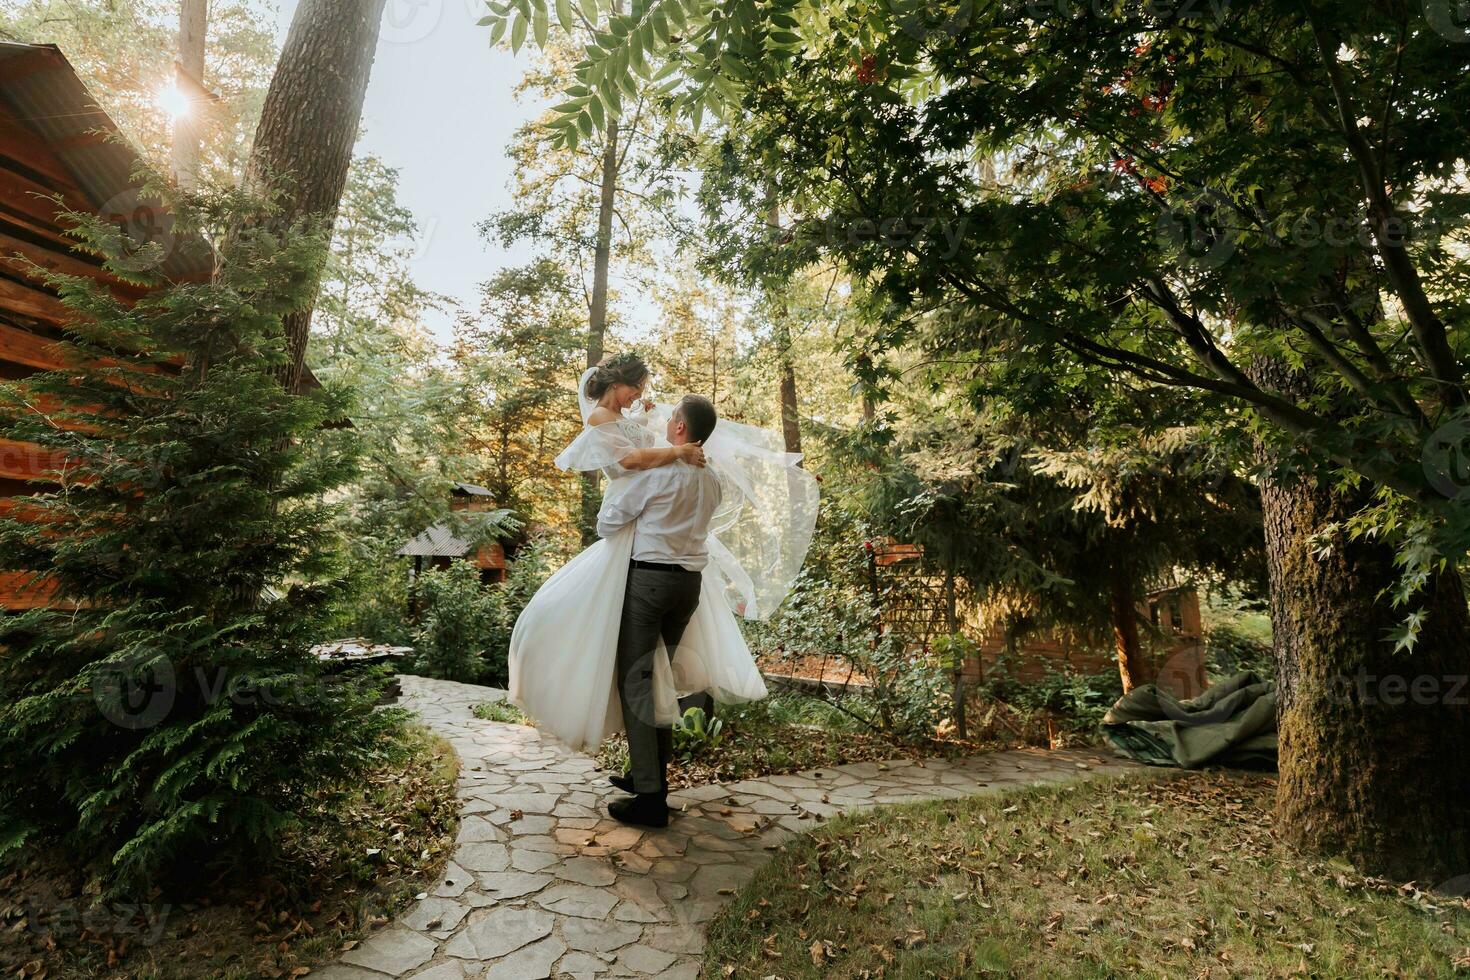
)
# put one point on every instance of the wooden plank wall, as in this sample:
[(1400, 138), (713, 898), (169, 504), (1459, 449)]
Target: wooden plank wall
[(32, 318)]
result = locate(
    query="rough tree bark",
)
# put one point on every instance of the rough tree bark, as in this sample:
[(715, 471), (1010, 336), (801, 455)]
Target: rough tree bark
[(1133, 667), (1374, 745), (188, 127), (597, 314), (308, 125)]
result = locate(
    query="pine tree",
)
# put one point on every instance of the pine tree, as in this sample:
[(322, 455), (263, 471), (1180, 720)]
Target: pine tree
[(166, 714)]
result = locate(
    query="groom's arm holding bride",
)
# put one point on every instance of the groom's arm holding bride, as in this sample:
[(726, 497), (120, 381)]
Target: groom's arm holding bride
[(653, 456)]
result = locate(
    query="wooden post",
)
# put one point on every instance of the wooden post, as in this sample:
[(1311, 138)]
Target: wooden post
[(952, 616)]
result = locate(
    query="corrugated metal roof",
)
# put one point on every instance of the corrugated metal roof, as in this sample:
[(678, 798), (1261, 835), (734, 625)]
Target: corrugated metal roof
[(441, 541), (438, 541), (472, 490), (49, 98)]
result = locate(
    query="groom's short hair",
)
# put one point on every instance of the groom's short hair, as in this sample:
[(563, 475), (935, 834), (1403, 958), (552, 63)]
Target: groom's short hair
[(698, 415)]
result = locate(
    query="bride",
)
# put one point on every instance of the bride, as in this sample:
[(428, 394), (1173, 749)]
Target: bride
[(563, 648)]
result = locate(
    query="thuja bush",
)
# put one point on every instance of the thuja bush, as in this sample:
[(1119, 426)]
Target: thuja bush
[(464, 628), (458, 620), (164, 715)]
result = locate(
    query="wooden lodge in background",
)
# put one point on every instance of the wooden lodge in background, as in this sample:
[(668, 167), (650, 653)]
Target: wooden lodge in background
[(439, 544), (59, 151), (918, 606)]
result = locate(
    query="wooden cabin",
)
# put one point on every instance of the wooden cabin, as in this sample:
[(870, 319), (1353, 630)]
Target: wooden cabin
[(439, 544), (926, 608), (58, 151)]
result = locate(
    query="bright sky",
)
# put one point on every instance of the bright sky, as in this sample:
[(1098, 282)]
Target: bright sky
[(440, 109)]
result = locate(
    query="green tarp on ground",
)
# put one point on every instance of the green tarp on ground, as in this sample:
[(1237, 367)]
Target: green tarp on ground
[(1233, 723)]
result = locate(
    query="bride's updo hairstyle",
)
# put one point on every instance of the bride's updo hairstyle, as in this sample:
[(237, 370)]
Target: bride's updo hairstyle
[(624, 369)]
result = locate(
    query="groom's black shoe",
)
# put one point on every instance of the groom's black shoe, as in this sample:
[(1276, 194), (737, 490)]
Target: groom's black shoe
[(644, 810)]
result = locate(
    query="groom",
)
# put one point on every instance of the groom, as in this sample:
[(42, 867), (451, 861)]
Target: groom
[(670, 508)]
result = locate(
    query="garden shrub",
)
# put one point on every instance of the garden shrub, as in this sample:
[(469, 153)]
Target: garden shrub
[(175, 720), (1074, 702), (464, 627), (1230, 650), (457, 623), (695, 734)]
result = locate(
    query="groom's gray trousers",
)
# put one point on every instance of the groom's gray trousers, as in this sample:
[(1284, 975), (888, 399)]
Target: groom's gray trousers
[(657, 606)]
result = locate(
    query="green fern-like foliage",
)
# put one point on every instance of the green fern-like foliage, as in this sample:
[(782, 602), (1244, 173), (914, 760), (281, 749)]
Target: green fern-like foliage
[(165, 716)]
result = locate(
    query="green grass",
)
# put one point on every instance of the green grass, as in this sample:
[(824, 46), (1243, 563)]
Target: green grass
[(785, 732), (1148, 876), (502, 711)]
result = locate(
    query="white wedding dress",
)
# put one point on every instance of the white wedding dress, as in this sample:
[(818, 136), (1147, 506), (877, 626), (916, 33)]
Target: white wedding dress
[(564, 645)]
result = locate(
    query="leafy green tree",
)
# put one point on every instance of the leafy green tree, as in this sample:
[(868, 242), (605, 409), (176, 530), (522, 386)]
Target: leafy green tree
[(1257, 204), (166, 716), (519, 359), (599, 208), (369, 337), (1060, 539)]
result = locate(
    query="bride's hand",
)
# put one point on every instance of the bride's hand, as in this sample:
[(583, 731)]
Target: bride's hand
[(648, 404), (692, 453)]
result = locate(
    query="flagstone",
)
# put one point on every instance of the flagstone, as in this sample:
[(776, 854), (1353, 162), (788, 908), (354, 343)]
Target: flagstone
[(590, 936), (633, 912), (493, 933), (483, 857), (476, 830), (532, 963), (455, 881), (525, 860), (527, 824), (543, 883), (579, 965), (443, 971), (435, 913), (578, 900), (394, 951), (645, 959), (506, 885), (587, 871)]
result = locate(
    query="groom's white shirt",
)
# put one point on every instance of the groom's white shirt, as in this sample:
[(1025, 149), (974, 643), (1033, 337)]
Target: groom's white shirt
[(670, 508)]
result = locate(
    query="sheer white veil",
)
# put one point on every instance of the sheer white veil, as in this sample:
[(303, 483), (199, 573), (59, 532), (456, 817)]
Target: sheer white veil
[(760, 535)]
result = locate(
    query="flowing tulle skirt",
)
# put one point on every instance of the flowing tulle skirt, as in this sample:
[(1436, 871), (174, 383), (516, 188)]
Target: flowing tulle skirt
[(563, 650)]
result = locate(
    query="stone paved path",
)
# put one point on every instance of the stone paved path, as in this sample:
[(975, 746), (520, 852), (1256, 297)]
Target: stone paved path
[(544, 884)]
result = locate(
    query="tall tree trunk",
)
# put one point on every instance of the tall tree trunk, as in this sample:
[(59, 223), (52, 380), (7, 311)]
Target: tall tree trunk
[(790, 416), (308, 125), (189, 127), (1133, 668), (1374, 746), (597, 315)]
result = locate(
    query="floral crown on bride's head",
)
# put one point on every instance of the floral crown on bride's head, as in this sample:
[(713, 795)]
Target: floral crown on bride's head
[(626, 359)]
